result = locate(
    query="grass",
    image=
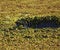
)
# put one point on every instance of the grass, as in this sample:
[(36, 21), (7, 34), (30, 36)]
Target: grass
[(28, 38), (21, 38), (35, 7), (31, 39)]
